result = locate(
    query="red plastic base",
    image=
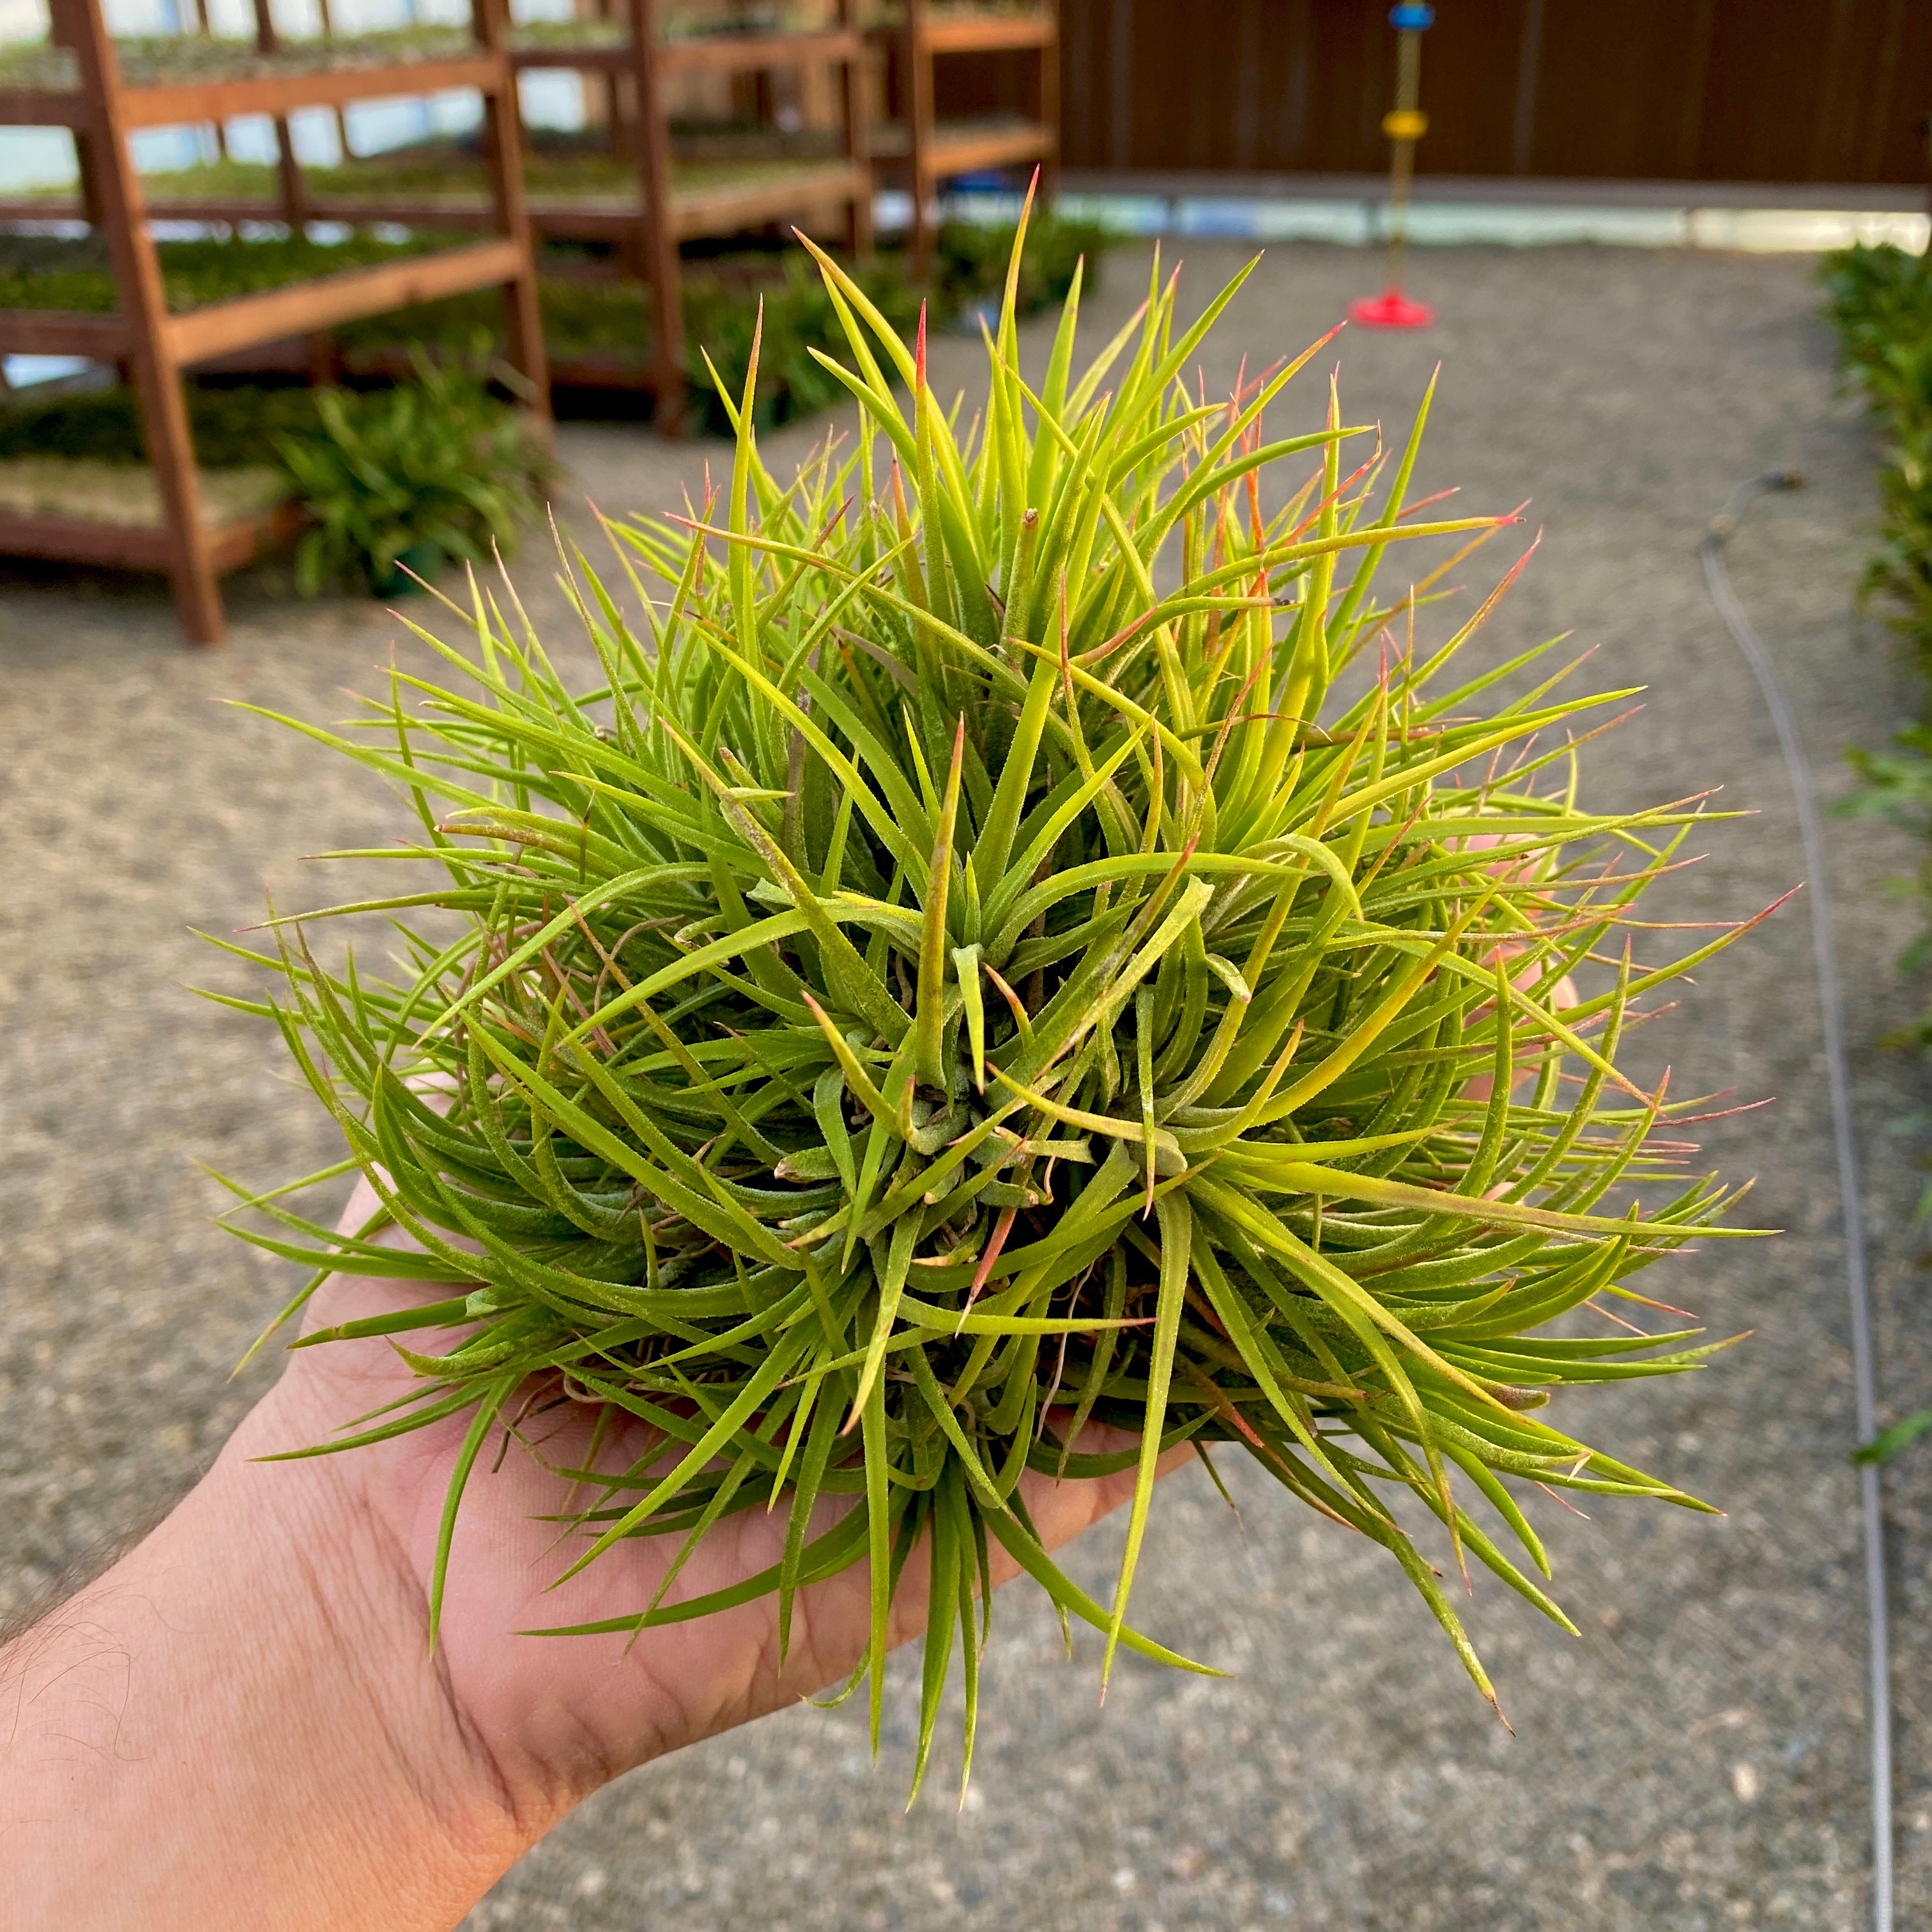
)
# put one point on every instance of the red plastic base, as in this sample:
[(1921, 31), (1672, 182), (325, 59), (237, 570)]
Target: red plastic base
[(1391, 309)]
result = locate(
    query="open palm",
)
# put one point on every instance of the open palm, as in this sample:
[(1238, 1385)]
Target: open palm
[(557, 1717)]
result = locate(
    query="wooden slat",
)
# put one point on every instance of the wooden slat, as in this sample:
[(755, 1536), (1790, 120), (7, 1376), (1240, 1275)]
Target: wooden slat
[(583, 60), (49, 331), (281, 94), (720, 211), (236, 543), (79, 540), (141, 546), (710, 53), (994, 33), (605, 372), (40, 107), (742, 53), (959, 151), (1823, 91), (224, 326), (565, 222)]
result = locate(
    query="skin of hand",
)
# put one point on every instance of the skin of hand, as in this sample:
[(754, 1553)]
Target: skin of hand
[(240, 1725)]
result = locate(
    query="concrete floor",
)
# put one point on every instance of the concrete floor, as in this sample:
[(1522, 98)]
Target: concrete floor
[(1695, 1761)]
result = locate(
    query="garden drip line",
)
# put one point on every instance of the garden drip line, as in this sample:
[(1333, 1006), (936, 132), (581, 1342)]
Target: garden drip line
[(1750, 647)]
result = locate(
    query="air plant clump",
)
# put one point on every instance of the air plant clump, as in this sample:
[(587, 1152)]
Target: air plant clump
[(1019, 934)]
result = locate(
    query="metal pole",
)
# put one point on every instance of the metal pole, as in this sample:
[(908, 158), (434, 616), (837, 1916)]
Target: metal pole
[(1405, 125)]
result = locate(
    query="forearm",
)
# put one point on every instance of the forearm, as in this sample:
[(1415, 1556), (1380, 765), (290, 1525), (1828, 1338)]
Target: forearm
[(241, 1725), (207, 1738)]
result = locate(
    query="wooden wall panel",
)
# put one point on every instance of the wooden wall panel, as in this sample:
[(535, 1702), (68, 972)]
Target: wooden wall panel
[(1709, 90)]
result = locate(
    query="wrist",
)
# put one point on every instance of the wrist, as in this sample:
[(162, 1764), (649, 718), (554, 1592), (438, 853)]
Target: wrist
[(262, 1655)]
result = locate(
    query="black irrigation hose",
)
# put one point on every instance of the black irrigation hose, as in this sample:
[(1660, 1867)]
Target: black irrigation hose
[(1750, 647)]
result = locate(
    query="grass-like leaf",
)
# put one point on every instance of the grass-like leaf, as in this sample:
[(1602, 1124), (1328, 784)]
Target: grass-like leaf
[(1017, 937)]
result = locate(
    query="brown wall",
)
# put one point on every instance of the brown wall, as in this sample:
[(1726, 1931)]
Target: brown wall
[(1701, 90)]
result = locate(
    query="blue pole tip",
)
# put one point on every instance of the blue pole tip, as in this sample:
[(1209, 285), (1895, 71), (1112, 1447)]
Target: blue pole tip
[(1410, 16)]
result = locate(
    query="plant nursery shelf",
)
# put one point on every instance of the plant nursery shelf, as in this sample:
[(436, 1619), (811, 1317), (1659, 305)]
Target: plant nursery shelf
[(712, 53), (107, 89), (657, 211), (281, 94), (963, 147), (713, 198), (170, 105), (221, 327), (924, 148), (988, 33), (71, 539)]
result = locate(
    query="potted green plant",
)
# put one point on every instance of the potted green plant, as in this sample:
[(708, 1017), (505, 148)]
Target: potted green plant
[(398, 479)]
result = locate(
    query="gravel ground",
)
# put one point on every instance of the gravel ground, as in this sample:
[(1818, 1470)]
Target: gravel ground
[(1696, 1760)]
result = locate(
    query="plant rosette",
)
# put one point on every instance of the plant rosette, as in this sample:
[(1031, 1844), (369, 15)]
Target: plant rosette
[(1020, 934)]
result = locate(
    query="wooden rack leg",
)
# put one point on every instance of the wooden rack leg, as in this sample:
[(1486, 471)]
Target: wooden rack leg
[(667, 316), (502, 150), (660, 239), (613, 97), (191, 577), (1049, 114), (79, 24), (858, 225), (206, 30), (917, 83), (852, 85), (327, 33), (294, 190)]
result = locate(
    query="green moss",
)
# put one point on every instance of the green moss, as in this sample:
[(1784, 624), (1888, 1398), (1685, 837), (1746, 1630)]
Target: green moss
[(111, 492), (150, 60), (233, 427), (43, 272)]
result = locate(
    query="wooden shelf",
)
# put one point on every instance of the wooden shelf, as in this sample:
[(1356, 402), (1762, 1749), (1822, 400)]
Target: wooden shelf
[(83, 84), (52, 331), (924, 150), (143, 546), (711, 53), (223, 327), (719, 206), (179, 103), (963, 147), (197, 335), (993, 33)]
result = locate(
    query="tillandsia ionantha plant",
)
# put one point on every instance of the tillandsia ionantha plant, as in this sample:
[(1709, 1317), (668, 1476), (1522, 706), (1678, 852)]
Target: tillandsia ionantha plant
[(1018, 935)]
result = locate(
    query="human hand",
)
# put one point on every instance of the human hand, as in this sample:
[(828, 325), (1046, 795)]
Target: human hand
[(250, 1697), (560, 1716)]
